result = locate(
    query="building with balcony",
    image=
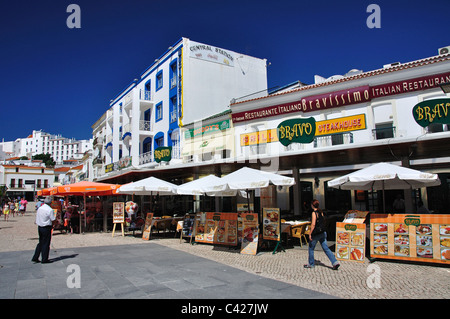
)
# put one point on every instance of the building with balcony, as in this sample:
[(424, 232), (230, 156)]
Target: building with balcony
[(322, 131), (25, 180), (60, 148), (314, 133), (189, 82)]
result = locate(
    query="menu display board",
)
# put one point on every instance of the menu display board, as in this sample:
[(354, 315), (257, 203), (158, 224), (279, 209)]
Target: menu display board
[(216, 228), (424, 238), (147, 227), (350, 242), (250, 230), (56, 205), (118, 212), (188, 225), (271, 224)]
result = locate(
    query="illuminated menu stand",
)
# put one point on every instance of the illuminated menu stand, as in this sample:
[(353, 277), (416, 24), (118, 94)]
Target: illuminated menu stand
[(412, 237), (351, 237)]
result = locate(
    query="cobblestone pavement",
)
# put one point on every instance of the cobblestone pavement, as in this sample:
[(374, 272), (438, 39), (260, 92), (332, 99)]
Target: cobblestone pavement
[(398, 280)]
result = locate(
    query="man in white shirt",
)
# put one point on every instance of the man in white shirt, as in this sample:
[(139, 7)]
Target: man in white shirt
[(44, 219)]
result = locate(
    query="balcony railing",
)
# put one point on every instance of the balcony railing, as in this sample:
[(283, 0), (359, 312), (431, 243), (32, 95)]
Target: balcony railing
[(145, 158), (145, 125), (333, 139), (382, 133), (145, 95)]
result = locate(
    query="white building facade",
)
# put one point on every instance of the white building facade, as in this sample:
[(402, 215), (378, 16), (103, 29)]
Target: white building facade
[(60, 148), (359, 119), (187, 83), (25, 180)]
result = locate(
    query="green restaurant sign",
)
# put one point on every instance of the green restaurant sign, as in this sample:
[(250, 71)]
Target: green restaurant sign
[(432, 111), (207, 129), (163, 153), (297, 131), (351, 227), (412, 220)]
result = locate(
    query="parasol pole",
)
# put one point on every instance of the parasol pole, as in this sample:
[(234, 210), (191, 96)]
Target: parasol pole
[(384, 198), (85, 211), (248, 201)]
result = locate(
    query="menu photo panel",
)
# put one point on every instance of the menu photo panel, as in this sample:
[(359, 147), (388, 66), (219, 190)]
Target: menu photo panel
[(216, 228), (250, 233), (271, 224), (350, 242), (424, 238)]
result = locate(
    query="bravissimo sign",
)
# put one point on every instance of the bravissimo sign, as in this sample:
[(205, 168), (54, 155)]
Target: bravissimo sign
[(350, 96)]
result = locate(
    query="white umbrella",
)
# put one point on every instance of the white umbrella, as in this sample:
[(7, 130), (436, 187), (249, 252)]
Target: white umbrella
[(384, 176), (199, 187), (248, 178), (147, 186)]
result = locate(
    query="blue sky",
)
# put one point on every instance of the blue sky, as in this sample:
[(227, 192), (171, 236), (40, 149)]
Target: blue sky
[(61, 80)]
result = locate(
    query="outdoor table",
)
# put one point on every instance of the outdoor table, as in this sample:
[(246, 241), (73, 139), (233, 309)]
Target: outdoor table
[(286, 226), (165, 223)]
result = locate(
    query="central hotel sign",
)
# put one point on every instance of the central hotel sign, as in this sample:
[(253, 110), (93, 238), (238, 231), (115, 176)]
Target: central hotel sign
[(351, 96)]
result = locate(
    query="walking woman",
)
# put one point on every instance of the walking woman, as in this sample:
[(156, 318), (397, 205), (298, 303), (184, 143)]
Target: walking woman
[(318, 234), (6, 211)]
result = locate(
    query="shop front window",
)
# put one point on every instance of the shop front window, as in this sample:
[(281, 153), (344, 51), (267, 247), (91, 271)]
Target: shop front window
[(439, 196)]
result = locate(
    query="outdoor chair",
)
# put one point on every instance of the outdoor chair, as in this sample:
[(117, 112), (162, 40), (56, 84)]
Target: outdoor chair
[(300, 231)]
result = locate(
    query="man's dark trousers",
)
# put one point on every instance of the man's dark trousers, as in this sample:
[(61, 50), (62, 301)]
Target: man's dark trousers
[(45, 235)]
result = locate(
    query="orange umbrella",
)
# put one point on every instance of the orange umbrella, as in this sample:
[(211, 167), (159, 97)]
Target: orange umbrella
[(86, 188), (45, 191)]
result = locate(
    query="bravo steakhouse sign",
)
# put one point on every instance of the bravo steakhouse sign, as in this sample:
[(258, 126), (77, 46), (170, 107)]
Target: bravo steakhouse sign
[(351, 96)]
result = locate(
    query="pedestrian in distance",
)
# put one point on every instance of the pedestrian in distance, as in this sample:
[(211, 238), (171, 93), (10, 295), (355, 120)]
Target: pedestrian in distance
[(16, 206), (23, 206), (12, 208), (44, 219), (39, 203), (318, 234), (6, 211)]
